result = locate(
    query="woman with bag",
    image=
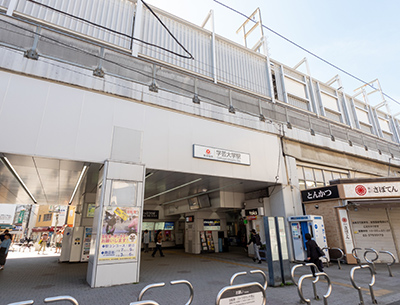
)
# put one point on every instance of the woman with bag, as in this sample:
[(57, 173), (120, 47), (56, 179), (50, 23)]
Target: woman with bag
[(4, 246), (313, 254), (43, 243), (159, 237)]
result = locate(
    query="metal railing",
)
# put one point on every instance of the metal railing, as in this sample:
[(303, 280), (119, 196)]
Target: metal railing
[(374, 301), (354, 253), (316, 297), (372, 261), (50, 300)]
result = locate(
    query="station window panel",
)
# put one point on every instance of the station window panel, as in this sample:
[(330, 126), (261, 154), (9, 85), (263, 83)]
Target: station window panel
[(362, 115), (384, 124), (302, 185), (327, 176), (335, 175), (310, 184), (300, 173), (343, 175), (329, 102), (308, 173), (296, 88), (319, 176), (320, 184)]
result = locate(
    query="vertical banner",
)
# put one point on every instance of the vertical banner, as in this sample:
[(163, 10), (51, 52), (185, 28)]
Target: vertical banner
[(119, 236)]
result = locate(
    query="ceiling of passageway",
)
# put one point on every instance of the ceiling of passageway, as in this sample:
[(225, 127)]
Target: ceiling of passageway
[(52, 182)]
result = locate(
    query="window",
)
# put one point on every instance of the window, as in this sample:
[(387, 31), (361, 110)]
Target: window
[(40, 217), (313, 177), (46, 217)]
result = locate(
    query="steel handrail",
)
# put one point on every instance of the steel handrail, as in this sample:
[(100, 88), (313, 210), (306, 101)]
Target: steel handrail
[(374, 301), (389, 264), (314, 282), (341, 257), (61, 298), (252, 272), (354, 253), (306, 276), (368, 250)]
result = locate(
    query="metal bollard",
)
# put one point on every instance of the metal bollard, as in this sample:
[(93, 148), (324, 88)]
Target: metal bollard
[(190, 288), (389, 264), (324, 257), (306, 276), (374, 301), (252, 272), (29, 302), (149, 287), (368, 250), (338, 260), (140, 302), (144, 303)]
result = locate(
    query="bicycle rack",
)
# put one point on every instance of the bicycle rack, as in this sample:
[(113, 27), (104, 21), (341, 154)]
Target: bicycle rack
[(252, 272), (374, 301), (23, 303), (316, 297), (389, 264), (61, 298), (341, 257), (368, 250), (324, 257), (306, 276), (354, 253), (140, 302)]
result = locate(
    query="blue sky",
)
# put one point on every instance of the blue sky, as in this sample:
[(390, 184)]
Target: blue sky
[(360, 37)]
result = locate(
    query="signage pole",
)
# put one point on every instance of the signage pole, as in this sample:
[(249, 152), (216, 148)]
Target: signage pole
[(272, 252)]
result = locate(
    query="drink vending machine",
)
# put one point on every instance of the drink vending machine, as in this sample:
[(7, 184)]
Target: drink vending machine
[(75, 244), (299, 226)]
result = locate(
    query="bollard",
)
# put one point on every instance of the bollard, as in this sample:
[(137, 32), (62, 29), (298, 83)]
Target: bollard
[(354, 253), (389, 264), (316, 297), (374, 301), (341, 257)]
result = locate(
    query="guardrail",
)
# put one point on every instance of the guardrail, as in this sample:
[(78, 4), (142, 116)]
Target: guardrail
[(374, 301), (389, 264), (306, 276)]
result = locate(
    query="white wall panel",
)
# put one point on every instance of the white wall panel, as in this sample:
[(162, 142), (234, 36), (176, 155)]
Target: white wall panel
[(79, 126)]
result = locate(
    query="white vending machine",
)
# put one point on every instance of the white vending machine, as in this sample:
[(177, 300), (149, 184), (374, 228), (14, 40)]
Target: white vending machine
[(299, 226), (76, 244), (66, 245)]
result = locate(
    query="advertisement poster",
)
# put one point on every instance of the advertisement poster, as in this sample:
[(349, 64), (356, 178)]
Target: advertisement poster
[(87, 236), (91, 209), (119, 236)]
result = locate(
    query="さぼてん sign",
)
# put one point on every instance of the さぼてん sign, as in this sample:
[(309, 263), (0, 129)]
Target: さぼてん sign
[(372, 190)]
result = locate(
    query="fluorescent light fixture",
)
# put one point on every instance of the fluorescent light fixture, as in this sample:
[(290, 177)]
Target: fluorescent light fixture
[(85, 168), (173, 189), (14, 172), (148, 175)]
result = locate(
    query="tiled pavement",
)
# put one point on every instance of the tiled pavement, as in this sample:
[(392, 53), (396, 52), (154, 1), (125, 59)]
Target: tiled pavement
[(32, 276)]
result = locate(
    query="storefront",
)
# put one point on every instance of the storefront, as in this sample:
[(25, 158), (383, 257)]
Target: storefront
[(363, 213)]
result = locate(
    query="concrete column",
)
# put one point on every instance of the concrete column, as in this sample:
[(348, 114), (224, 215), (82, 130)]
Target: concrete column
[(115, 246)]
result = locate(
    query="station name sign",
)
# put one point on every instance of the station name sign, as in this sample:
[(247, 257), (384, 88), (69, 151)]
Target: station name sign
[(372, 190), (149, 214), (220, 154), (319, 194)]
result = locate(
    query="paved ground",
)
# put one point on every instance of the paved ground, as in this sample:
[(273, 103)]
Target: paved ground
[(29, 276)]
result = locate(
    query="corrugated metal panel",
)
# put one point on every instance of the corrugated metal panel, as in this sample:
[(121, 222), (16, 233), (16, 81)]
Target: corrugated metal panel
[(242, 68), (371, 229), (196, 41), (113, 14), (4, 3)]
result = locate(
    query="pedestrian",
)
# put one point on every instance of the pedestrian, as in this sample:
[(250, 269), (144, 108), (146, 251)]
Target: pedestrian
[(313, 254), (59, 238), (146, 240), (159, 237), (256, 240), (43, 243), (4, 246), (3, 235)]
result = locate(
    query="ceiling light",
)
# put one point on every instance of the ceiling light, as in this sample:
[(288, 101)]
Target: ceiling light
[(173, 189), (85, 168), (14, 172)]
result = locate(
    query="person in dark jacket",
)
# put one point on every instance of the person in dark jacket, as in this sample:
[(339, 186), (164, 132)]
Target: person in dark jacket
[(312, 254), (255, 239)]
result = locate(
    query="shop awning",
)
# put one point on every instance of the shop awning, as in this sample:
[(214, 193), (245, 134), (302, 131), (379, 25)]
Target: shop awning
[(41, 229), (4, 226), (375, 203)]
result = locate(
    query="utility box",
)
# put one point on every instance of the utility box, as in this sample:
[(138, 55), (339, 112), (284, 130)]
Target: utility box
[(299, 226)]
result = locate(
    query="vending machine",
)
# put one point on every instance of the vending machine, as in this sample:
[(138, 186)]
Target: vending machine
[(72, 243), (299, 226)]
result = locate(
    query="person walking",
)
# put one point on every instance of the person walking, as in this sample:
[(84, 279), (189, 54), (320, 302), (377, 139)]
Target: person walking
[(58, 240), (2, 236), (256, 240), (159, 237), (4, 246), (146, 240), (313, 254), (43, 243)]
